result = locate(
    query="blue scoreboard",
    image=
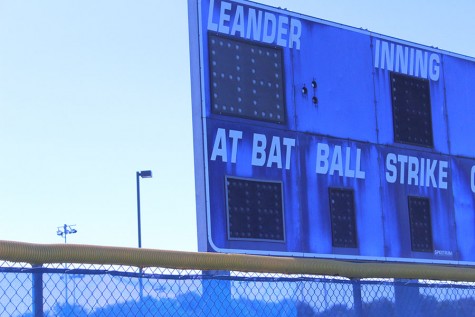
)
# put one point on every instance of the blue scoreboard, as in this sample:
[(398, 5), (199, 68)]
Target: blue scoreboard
[(314, 139)]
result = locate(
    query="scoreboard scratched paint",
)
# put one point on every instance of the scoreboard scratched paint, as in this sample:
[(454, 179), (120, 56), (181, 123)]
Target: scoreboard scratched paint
[(314, 139)]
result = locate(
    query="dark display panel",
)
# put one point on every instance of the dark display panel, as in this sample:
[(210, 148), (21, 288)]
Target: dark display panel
[(342, 212), (420, 223), (254, 210), (412, 116), (246, 79)]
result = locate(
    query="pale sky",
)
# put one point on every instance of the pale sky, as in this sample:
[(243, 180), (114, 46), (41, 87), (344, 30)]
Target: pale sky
[(93, 91)]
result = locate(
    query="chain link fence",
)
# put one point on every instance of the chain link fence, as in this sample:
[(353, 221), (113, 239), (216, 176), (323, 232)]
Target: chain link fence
[(108, 290)]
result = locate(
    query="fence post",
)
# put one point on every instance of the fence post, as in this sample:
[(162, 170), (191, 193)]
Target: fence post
[(37, 290), (358, 303), (406, 293)]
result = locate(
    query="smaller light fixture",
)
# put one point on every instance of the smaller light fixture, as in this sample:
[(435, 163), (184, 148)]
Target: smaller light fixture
[(314, 84), (304, 90), (145, 174)]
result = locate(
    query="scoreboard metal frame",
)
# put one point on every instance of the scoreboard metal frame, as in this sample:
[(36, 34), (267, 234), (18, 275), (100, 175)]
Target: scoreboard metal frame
[(315, 139)]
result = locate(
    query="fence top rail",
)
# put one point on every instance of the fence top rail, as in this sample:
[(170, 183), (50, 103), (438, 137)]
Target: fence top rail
[(36, 254)]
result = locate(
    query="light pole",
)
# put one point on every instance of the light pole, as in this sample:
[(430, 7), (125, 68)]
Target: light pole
[(143, 174), (63, 231)]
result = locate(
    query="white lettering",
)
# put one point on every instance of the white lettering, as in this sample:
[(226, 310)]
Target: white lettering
[(337, 162), (337, 165), (269, 25), (261, 26), (412, 171), (376, 53), (391, 169), (282, 29), (295, 33), (443, 165), (406, 60), (254, 25), (422, 171), (219, 146), (211, 25), (416, 171), (401, 59), (434, 64), (359, 173), (259, 143), (289, 144), (402, 159), (421, 64), (224, 17), (443, 253), (238, 24), (348, 171), (235, 136), (323, 153), (430, 177), (275, 155), (411, 64), (387, 51)]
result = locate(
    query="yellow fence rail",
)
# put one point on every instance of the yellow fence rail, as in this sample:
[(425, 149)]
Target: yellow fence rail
[(86, 254), (79, 280)]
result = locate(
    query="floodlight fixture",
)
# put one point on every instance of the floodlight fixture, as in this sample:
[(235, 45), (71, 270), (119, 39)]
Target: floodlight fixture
[(64, 230)]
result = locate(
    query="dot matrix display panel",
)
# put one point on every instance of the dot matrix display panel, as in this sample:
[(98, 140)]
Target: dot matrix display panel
[(246, 79), (254, 210), (411, 110), (421, 224), (342, 213)]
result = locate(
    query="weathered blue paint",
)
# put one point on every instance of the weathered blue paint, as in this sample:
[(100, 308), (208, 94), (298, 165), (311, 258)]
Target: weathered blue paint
[(345, 141)]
